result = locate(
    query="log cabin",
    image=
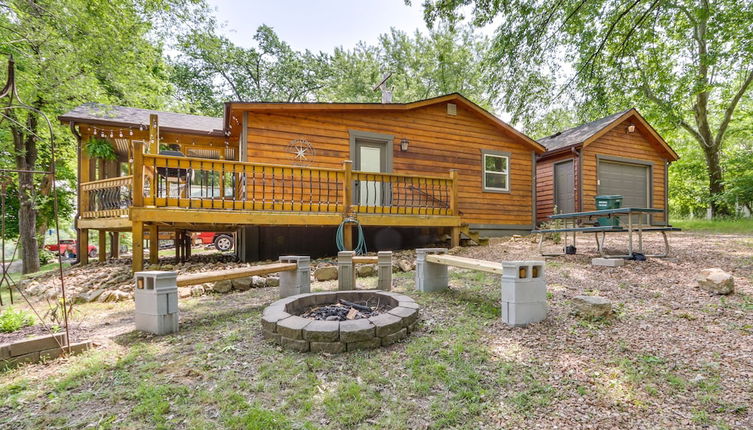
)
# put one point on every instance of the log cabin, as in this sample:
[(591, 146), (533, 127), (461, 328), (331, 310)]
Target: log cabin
[(284, 176), (620, 154)]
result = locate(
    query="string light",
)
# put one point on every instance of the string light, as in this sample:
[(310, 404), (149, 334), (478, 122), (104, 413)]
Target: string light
[(121, 133), (111, 134), (130, 132)]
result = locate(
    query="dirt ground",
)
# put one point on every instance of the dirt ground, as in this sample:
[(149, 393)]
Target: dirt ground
[(673, 356)]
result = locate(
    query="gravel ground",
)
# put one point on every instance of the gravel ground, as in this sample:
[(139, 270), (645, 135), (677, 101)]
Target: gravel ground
[(667, 332)]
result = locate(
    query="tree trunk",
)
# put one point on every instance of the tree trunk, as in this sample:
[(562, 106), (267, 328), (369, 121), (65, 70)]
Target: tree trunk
[(716, 182), (27, 223), (25, 147)]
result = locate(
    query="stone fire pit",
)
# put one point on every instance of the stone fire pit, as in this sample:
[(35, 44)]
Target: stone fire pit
[(282, 323)]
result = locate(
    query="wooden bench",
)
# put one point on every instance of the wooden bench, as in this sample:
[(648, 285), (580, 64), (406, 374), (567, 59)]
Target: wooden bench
[(523, 282), (294, 270)]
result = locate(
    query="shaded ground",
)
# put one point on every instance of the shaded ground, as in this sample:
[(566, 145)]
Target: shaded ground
[(674, 357)]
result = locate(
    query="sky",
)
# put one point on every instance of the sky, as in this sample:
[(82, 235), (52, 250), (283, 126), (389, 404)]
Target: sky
[(318, 25)]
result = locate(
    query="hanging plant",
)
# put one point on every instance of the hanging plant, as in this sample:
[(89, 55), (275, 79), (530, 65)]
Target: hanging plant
[(101, 148)]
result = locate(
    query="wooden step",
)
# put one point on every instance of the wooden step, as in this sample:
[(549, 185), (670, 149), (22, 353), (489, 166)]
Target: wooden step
[(472, 237)]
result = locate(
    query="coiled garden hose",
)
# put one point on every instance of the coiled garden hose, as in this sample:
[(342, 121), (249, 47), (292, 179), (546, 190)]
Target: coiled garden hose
[(360, 248)]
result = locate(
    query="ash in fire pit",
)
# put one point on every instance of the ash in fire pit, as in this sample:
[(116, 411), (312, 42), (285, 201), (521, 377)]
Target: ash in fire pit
[(344, 310)]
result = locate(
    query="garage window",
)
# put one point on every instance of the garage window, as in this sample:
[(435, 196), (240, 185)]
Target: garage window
[(496, 167)]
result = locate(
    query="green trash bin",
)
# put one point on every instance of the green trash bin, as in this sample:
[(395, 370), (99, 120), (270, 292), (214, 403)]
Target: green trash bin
[(608, 202)]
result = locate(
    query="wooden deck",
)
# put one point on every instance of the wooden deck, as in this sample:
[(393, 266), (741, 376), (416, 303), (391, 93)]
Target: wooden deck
[(183, 193)]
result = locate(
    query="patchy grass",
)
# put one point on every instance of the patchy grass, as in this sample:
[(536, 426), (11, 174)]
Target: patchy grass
[(731, 226), (671, 357)]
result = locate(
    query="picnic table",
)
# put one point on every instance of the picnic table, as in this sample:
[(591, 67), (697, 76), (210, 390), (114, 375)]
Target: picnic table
[(584, 222)]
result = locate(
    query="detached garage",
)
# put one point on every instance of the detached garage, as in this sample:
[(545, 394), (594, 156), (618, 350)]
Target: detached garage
[(619, 154)]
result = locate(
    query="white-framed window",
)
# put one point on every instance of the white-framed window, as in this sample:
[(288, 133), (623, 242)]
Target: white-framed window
[(496, 166)]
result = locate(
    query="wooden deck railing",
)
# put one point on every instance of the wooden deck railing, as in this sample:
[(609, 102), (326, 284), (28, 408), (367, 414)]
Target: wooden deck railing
[(196, 183), (106, 198)]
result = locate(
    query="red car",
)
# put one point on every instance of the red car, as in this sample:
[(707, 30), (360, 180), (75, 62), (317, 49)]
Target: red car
[(69, 247), (221, 241)]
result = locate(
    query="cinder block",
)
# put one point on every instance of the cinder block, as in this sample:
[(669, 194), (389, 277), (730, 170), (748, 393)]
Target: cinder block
[(346, 274), (608, 262), (298, 281), (430, 277), (523, 292), (522, 314), (157, 324), (155, 280), (384, 270)]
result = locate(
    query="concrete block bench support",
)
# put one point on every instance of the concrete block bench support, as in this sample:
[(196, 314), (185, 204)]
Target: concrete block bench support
[(523, 292), (430, 277), (295, 281), (346, 269), (384, 270), (156, 296), (523, 284)]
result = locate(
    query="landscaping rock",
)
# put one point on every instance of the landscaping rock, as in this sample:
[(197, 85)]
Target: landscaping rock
[(273, 281), (184, 292), (365, 270), (716, 281), (258, 281), (223, 286), (591, 307), (242, 284), (197, 290), (405, 265), (326, 273)]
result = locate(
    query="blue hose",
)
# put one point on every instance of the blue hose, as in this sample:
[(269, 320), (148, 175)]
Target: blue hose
[(360, 248)]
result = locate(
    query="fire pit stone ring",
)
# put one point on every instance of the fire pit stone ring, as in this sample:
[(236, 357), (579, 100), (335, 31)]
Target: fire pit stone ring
[(281, 322)]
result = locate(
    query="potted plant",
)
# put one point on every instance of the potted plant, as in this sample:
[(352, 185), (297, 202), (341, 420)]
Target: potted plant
[(101, 149)]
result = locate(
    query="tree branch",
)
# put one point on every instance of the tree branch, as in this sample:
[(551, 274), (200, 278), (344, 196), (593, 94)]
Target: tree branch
[(729, 112)]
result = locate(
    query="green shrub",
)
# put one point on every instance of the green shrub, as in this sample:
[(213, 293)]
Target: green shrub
[(46, 257), (14, 319)]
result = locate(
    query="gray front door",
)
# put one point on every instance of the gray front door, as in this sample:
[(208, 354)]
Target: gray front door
[(370, 157), (564, 187)]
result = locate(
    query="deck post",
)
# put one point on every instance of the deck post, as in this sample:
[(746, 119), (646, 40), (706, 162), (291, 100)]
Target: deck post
[(178, 247), (138, 175), (454, 237), (83, 247), (102, 246), (153, 244), (454, 192), (137, 230), (153, 134), (347, 203), (114, 244)]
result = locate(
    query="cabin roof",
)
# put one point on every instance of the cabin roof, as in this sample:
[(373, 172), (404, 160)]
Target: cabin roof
[(588, 132), (121, 116), (231, 107), (577, 135)]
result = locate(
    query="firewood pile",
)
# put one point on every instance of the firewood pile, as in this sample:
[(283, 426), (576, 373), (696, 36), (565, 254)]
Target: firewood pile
[(344, 310)]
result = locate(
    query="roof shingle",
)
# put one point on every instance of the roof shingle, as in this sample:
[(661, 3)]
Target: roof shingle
[(579, 134), (128, 116)]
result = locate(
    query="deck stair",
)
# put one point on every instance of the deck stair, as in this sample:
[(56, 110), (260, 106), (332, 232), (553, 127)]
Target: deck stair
[(469, 237)]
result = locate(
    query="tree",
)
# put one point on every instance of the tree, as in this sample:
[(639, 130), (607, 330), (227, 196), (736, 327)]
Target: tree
[(687, 63), (69, 52), (444, 61), (211, 70)]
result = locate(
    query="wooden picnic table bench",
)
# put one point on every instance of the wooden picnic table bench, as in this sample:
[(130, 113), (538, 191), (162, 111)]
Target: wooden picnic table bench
[(576, 219)]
